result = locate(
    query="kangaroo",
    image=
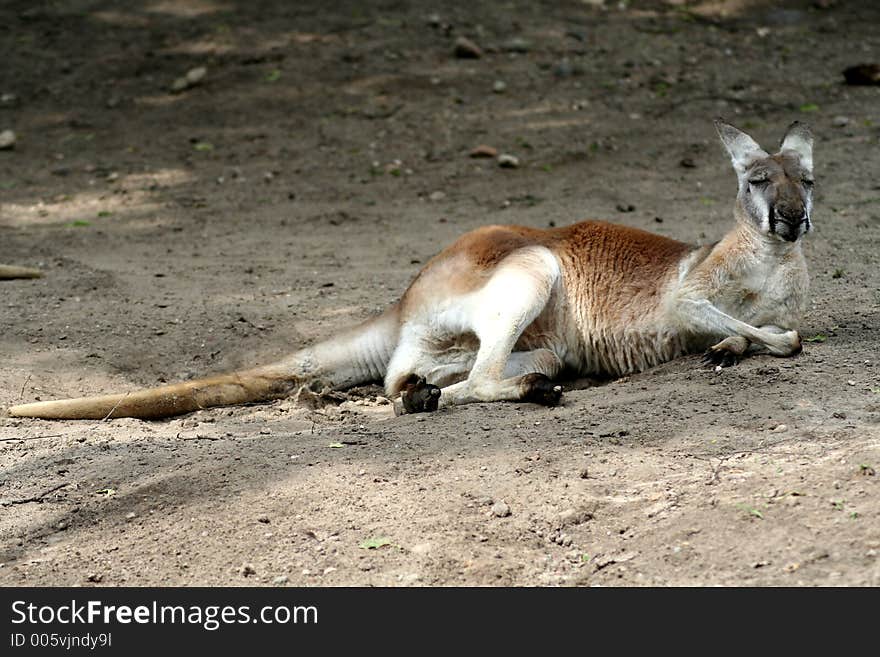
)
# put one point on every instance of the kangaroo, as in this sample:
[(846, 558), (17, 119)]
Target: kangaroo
[(505, 310)]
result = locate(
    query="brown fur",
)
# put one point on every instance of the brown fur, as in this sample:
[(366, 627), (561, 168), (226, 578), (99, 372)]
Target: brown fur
[(626, 267), (618, 255)]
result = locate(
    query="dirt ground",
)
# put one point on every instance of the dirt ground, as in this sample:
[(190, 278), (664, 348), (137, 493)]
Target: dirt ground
[(299, 186)]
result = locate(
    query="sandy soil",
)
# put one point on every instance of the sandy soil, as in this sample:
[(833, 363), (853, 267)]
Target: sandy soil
[(297, 188)]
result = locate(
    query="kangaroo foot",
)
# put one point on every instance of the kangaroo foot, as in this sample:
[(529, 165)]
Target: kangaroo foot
[(538, 389), (418, 396)]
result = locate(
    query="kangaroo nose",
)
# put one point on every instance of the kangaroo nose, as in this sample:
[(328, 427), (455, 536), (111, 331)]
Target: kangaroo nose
[(793, 215)]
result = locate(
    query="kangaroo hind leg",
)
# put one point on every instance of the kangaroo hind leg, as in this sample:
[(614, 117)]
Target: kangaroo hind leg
[(515, 295), (417, 369)]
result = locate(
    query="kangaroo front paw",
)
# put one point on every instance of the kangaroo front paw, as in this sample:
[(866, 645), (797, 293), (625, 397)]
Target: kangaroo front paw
[(720, 357), (727, 352), (795, 342), (419, 396), (538, 389)]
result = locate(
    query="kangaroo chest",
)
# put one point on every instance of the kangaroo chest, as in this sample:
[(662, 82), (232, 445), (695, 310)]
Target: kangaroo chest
[(765, 296)]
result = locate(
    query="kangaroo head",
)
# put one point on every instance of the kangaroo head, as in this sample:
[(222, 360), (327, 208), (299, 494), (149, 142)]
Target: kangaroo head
[(775, 191)]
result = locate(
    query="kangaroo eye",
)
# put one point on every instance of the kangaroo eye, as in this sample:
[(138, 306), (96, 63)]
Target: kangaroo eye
[(807, 182), (758, 182)]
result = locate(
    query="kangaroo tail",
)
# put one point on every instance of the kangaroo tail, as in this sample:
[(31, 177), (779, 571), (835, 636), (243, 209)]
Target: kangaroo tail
[(11, 271), (359, 355), (164, 401)]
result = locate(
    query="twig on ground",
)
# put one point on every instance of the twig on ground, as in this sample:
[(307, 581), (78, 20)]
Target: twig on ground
[(115, 406), (50, 435), (717, 469), (35, 498), (23, 386)]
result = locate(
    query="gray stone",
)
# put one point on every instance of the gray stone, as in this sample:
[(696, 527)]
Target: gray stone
[(7, 140), (507, 161)]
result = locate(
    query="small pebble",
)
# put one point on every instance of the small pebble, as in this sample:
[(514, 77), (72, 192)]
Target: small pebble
[(500, 510), (131, 515), (437, 196), (506, 161), (263, 519), (568, 516), (499, 87), (517, 45), (840, 121), (7, 140), (193, 77), (281, 579), (779, 428), (484, 150), (467, 49)]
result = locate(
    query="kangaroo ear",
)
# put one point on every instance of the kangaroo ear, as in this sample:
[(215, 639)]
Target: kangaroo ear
[(743, 149), (799, 140)]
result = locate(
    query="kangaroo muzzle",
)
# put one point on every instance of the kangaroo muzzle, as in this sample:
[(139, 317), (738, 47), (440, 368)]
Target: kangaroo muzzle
[(789, 222)]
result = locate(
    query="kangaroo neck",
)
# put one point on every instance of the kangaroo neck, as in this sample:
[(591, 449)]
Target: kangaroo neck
[(748, 241)]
